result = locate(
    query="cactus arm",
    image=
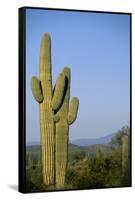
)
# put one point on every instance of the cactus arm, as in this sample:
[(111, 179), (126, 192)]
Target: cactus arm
[(37, 89), (58, 92), (73, 110), (67, 74)]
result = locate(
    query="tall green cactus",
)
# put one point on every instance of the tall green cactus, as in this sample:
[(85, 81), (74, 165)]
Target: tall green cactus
[(48, 103), (125, 150), (55, 116), (67, 116)]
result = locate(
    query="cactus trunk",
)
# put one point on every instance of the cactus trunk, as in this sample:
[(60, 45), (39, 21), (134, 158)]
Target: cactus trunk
[(61, 154), (46, 113), (62, 135)]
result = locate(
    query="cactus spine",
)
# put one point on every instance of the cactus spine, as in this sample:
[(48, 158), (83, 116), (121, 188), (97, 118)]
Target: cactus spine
[(124, 153), (67, 116), (55, 116), (48, 102)]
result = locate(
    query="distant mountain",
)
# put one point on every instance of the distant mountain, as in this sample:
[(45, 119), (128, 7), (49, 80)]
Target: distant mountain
[(93, 141), (84, 141), (32, 143)]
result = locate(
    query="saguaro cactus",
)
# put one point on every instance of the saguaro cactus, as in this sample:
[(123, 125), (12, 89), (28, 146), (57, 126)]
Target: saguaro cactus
[(125, 151), (55, 116), (48, 103), (67, 116)]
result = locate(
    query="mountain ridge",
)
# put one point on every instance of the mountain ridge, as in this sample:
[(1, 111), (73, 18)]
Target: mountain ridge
[(93, 141), (84, 141)]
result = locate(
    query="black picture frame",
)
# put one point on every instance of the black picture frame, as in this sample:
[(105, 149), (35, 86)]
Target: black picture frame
[(22, 93)]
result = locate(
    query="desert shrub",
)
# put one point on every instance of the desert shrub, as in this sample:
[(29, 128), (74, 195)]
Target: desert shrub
[(34, 179), (78, 156), (86, 177), (117, 139), (98, 172)]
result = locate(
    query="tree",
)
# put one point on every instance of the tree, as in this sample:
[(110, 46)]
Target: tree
[(117, 140)]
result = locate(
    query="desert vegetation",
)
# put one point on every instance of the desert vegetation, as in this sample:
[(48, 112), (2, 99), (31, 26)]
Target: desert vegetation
[(107, 165)]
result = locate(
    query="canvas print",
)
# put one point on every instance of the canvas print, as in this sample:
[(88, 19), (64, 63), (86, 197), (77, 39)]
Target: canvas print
[(75, 71)]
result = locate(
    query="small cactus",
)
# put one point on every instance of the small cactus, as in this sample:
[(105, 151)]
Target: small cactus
[(125, 150), (99, 153), (30, 160)]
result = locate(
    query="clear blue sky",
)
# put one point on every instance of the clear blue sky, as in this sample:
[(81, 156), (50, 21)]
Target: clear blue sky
[(96, 47)]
